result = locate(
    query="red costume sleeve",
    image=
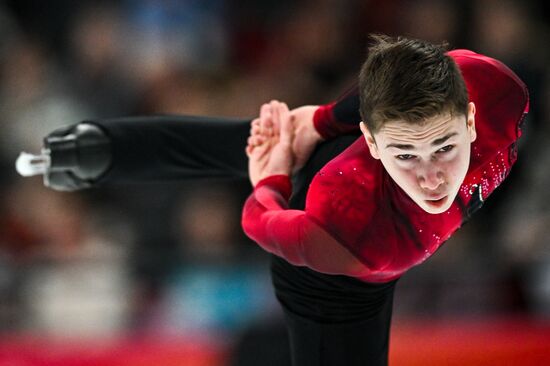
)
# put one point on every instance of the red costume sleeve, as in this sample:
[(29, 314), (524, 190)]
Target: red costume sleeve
[(292, 234)]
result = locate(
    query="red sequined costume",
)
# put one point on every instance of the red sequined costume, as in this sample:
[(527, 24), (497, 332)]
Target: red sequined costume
[(357, 221)]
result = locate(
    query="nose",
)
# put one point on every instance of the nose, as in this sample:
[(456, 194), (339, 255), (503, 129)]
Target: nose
[(430, 178)]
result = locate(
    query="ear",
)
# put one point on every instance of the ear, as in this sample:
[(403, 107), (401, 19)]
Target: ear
[(471, 121), (371, 143)]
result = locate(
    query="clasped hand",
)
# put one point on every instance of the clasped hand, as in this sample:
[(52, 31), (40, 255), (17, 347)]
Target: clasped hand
[(280, 140)]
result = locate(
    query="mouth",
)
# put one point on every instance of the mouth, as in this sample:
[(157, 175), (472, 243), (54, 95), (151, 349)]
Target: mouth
[(437, 203)]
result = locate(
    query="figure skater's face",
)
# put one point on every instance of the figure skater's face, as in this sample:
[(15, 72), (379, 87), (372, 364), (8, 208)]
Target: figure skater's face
[(429, 161)]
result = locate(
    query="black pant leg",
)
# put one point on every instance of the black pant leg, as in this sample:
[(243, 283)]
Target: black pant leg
[(165, 148), (354, 343), (333, 320)]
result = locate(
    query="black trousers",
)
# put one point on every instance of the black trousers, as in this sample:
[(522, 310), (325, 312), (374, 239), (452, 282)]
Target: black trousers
[(331, 320)]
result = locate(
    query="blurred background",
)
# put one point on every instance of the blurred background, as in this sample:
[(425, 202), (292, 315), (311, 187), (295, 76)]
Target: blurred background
[(162, 274)]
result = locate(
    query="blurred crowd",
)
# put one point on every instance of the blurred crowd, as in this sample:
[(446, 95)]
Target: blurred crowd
[(171, 258)]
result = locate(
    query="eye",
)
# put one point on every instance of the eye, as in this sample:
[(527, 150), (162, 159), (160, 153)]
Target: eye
[(405, 157), (445, 149)]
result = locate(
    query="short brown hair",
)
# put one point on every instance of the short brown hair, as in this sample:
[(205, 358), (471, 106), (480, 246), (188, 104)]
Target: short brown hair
[(409, 80)]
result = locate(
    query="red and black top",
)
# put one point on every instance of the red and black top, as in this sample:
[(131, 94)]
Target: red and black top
[(357, 221)]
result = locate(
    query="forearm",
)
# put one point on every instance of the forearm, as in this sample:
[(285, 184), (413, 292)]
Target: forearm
[(291, 234)]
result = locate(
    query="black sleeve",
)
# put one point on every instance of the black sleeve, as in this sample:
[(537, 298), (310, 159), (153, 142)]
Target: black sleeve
[(346, 109), (162, 148)]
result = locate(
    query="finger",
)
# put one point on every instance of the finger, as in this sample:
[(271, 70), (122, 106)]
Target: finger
[(255, 130), (268, 121), (253, 147), (287, 130), (255, 123), (265, 131), (265, 108), (258, 140), (276, 109), (255, 140), (265, 117)]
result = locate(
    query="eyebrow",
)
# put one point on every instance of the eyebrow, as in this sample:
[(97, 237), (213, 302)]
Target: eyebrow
[(435, 142)]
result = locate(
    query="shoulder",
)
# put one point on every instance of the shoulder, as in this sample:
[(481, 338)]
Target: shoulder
[(484, 75), (466, 58), (501, 101)]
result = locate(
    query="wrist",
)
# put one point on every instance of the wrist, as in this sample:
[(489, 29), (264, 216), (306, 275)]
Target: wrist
[(279, 182), (322, 121)]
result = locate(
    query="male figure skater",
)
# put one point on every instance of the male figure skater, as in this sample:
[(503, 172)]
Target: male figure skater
[(438, 135)]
